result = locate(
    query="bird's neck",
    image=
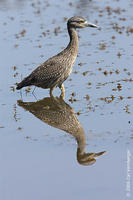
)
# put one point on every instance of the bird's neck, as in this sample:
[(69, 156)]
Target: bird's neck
[(73, 44), (81, 141)]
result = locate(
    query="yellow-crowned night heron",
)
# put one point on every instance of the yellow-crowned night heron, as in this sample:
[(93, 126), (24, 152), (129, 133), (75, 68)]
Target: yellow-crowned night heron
[(56, 70), (57, 113)]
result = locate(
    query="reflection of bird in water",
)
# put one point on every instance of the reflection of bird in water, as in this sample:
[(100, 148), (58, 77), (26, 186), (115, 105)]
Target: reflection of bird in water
[(56, 113), (56, 70)]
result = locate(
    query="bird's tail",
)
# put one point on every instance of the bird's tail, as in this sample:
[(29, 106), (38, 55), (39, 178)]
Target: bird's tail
[(24, 83)]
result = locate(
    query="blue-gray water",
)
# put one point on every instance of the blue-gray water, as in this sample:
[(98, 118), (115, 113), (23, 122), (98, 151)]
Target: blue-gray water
[(37, 160)]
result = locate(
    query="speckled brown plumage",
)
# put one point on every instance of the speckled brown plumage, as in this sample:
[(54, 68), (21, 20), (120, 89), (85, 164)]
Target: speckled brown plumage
[(56, 113), (57, 69)]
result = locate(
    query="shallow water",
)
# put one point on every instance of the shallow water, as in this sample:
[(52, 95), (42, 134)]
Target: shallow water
[(81, 147)]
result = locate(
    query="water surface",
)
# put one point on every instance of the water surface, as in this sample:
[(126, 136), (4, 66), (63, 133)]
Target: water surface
[(81, 147)]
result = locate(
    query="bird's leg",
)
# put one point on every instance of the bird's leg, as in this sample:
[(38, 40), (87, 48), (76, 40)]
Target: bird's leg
[(34, 96), (33, 90), (51, 91), (62, 91)]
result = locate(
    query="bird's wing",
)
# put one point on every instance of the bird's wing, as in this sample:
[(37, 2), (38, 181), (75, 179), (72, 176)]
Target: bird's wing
[(49, 71)]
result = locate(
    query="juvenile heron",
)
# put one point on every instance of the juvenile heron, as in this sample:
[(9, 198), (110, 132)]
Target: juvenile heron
[(53, 72)]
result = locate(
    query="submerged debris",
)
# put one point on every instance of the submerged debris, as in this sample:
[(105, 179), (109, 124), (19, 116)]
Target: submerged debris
[(56, 30), (102, 46)]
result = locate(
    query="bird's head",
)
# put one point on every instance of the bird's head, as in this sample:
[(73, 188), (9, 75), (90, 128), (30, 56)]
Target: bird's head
[(79, 22)]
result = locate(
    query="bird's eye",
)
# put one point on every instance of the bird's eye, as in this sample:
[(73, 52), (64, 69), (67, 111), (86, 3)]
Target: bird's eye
[(81, 22)]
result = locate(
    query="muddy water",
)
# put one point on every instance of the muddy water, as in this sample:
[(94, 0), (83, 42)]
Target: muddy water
[(79, 148)]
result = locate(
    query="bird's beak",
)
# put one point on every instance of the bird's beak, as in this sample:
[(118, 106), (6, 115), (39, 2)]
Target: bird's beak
[(88, 24)]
